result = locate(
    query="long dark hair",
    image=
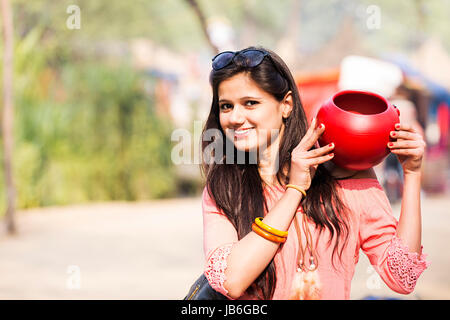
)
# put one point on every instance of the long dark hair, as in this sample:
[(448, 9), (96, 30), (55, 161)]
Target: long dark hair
[(237, 188)]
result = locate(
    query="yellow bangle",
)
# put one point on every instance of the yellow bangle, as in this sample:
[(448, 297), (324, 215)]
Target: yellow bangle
[(293, 186), (266, 235), (269, 229)]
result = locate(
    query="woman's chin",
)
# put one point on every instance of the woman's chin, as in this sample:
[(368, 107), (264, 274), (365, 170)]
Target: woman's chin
[(245, 146)]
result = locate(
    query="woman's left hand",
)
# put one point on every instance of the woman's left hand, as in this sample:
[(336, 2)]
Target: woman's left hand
[(409, 147)]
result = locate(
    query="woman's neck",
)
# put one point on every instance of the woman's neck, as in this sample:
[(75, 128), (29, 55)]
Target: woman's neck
[(268, 161), (339, 172)]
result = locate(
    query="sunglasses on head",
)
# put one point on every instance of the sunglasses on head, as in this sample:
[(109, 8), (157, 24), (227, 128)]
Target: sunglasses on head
[(244, 58)]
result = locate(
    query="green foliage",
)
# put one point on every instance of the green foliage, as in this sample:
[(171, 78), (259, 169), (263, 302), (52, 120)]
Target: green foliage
[(170, 22), (85, 131), (85, 128)]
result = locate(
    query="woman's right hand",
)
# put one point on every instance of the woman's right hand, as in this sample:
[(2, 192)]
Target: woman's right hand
[(304, 160)]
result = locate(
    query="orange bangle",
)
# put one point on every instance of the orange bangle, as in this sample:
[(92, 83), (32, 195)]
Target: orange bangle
[(267, 228), (293, 186), (267, 235)]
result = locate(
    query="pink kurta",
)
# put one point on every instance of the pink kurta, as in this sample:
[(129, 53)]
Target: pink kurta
[(372, 229)]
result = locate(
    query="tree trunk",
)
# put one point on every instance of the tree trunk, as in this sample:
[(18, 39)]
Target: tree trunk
[(287, 46), (7, 116), (201, 18)]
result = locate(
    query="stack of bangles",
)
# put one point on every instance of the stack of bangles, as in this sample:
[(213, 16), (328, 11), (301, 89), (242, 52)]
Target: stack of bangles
[(269, 233)]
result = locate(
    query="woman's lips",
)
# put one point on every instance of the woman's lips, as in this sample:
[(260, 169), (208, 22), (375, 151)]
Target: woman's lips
[(240, 134)]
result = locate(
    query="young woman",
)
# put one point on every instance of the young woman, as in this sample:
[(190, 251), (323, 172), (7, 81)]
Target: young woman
[(285, 223)]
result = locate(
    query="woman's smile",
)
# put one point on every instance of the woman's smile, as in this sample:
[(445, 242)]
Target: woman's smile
[(242, 133)]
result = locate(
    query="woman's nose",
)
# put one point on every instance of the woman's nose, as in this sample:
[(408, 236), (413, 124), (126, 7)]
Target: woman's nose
[(237, 116)]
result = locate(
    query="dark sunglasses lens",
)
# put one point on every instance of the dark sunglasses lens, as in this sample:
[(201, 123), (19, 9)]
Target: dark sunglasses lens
[(250, 58), (222, 60)]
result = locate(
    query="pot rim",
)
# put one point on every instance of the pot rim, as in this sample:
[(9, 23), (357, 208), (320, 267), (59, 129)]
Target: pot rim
[(363, 92)]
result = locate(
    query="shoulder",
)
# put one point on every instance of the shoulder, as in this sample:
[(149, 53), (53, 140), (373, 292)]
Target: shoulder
[(365, 197), (361, 180), (362, 189), (209, 204), (206, 197)]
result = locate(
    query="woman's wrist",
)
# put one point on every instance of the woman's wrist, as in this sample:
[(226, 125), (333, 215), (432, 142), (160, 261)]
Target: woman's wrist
[(294, 194), (412, 174), (412, 182), (304, 186)]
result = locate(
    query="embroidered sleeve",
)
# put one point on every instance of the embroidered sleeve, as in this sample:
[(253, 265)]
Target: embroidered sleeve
[(215, 268), (397, 266), (405, 266)]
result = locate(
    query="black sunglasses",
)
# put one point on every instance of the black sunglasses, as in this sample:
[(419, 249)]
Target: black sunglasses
[(244, 58)]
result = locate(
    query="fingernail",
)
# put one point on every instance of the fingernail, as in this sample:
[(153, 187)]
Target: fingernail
[(321, 126), (397, 126), (390, 144), (331, 145), (393, 133), (331, 154)]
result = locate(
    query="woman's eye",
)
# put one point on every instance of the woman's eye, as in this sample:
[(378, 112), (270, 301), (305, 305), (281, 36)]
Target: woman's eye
[(225, 106), (251, 102)]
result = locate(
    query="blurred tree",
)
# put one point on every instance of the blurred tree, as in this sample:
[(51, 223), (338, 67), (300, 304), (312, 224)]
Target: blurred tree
[(202, 20), (7, 116), (85, 128), (406, 24), (85, 124)]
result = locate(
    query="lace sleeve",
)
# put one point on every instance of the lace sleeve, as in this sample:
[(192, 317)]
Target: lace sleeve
[(215, 268), (405, 266), (398, 267)]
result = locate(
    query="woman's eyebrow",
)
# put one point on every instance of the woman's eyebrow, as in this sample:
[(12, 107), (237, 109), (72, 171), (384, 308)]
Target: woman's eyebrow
[(242, 98), (249, 97)]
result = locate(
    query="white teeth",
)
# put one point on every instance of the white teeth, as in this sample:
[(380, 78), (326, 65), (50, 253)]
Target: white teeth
[(241, 131)]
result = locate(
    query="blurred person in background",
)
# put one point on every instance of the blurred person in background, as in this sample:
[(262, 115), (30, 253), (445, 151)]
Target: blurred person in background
[(391, 168)]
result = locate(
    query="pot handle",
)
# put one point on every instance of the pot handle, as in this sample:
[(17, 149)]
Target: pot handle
[(398, 111)]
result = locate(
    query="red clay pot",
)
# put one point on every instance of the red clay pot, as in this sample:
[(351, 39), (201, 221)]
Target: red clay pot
[(358, 123)]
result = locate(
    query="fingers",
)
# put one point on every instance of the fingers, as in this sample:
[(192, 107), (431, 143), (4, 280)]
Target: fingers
[(319, 160), (313, 124), (413, 149), (405, 144), (319, 151), (405, 135), (308, 133), (311, 136), (408, 152), (404, 127), (407, 138), (315, 156)]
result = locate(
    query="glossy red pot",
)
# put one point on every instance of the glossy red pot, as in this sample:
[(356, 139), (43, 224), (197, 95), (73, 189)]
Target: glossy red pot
[(359, 124)]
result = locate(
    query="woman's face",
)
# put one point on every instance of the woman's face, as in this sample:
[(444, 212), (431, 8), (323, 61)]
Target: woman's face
[(249, 115)]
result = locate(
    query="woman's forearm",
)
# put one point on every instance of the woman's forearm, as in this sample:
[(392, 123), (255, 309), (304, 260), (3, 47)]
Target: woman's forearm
[(409, 227), (251, 255)]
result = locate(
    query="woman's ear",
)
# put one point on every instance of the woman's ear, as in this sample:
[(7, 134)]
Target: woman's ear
[(287, 105)]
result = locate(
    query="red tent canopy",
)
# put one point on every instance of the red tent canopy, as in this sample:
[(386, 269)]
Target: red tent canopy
[(315, 88)]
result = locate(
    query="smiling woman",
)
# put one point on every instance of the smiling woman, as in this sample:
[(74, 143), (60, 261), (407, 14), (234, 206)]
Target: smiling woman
[(285, 226), (248, 114)]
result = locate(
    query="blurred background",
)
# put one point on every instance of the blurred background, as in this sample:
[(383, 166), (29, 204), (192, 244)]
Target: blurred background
[(92, 204)]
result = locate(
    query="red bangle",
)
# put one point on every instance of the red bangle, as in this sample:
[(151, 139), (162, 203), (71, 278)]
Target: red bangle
[(267, 235)]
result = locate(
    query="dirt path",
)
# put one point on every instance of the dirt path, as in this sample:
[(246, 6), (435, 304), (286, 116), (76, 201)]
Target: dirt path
[(153, 250)]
